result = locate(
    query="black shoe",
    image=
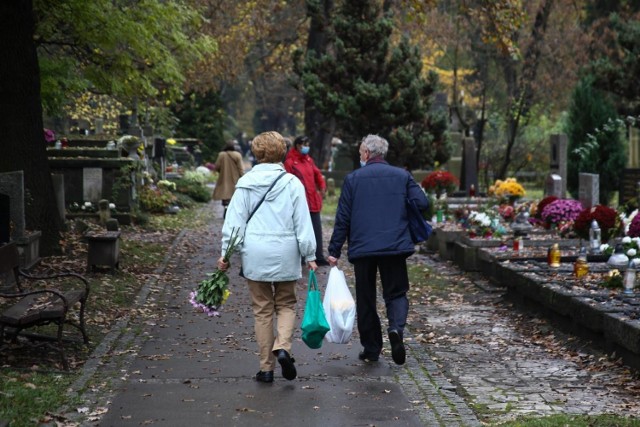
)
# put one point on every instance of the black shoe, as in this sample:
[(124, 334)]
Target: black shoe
[(286, 361), (398, 353), (322, 262), (264, 376), (368, 357)]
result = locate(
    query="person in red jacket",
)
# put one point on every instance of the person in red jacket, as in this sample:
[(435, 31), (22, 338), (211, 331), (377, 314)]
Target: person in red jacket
[(299, 163)]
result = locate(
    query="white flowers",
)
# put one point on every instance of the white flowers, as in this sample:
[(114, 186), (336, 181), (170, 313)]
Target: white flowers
[(480, 218), (604, 247), (631, 252), (626, 240)]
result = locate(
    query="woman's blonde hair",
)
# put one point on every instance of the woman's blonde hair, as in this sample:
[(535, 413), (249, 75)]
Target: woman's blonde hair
[(268, 147)]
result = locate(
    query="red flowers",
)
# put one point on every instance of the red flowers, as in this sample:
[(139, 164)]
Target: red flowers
[(604, 215), (440, 181)]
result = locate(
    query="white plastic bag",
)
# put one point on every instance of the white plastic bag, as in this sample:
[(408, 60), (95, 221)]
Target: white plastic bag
[(339, 308)]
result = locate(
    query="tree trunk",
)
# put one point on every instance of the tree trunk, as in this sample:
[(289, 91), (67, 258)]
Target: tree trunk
[(521, 93), (317, 127), (21, 125)]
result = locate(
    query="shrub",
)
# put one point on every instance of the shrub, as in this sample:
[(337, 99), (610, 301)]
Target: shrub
[(154, 199), (193, 189), (604, 215)]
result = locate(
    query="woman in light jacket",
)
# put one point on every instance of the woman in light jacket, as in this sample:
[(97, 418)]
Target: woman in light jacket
[(279, 233)]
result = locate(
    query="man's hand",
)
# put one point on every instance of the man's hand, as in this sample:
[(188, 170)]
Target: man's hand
[(333, 261)]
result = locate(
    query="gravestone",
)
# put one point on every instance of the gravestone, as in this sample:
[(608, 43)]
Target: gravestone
[(5, 219), (628, 185), (470, 169), (454, 165), (589, 189), (12, 185), (553, 186), (92, 184), (58, 190), (99, 126), (558, 159)]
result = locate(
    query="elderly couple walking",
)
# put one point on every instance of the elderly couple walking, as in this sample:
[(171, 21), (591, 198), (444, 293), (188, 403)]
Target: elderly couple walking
[(371, 215)]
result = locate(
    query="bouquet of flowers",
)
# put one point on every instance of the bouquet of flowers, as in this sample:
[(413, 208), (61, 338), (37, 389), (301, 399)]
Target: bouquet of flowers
[(561, 211), (439, 182), (482, 224), (212, 293), (634, 227), (543, 204), (630, 245), (606, 217), (507, 188)]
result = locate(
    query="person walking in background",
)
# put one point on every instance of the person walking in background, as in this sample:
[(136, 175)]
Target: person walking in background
[(230, 168), (372, 215), (278, 234), (300, 164)]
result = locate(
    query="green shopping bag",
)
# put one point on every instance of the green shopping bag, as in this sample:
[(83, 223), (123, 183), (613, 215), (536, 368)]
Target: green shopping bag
[(314, 323)]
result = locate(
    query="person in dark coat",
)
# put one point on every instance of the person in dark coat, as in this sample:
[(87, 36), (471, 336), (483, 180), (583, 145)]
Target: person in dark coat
[(372, 216)]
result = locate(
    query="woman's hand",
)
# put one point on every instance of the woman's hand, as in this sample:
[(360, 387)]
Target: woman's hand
[(222, 266), (312, 265)]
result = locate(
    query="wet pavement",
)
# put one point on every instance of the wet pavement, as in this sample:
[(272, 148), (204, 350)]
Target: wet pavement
[(472, 359)]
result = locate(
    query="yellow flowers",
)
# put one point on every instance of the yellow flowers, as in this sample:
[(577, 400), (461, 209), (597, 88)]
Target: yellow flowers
[(507, 188)]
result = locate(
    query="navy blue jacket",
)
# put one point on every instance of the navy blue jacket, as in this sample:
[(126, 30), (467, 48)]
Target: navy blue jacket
[(372, 212)]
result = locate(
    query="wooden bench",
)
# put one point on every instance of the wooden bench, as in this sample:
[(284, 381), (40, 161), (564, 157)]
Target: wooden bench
[(38, 307)]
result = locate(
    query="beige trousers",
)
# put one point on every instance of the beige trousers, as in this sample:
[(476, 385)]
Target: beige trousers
[(273, 303)]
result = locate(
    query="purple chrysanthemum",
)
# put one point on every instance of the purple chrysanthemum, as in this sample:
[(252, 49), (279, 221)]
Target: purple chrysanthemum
[(561, 210)]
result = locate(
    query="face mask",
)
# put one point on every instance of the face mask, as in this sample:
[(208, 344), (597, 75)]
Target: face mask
[(362, 164), (304, 150)]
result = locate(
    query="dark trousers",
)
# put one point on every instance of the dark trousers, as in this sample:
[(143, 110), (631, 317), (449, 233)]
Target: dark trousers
[(395, 284), (317, 230)]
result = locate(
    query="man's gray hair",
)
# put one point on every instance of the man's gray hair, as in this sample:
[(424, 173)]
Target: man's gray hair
[(377, 145)]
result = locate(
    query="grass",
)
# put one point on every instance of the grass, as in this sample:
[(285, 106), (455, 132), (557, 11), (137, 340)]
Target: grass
[(573, 421), (27, 394)]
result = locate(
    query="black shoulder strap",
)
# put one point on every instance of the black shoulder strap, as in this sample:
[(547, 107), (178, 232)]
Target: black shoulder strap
[(265, 195)]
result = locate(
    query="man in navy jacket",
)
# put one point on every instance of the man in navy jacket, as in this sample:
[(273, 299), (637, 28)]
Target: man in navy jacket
[(372, 216)]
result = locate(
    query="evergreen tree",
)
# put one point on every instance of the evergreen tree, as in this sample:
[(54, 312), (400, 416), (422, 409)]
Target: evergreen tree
[(202, 116), (370, 86), (595, 140)]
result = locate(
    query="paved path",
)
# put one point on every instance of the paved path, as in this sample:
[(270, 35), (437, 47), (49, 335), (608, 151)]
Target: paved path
[(172, 366)]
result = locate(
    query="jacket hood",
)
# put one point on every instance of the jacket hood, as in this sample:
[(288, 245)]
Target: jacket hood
[(260, 178)]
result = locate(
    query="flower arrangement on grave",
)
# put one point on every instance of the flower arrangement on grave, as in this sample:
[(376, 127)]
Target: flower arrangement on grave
[(155, 198), (634, 227), (129, 142), (606, 217), (543, 204), (626, 220), (213, 292), (482, 224), (507, 212), (440, 182), (509, 189), (561, 213), (630, 245), (49, 136), (612, 280)]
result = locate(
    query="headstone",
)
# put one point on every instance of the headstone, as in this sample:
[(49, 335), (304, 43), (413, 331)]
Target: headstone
[(331, 187), (5, 219), (112, 224), (470, 169), (103, 211), (98, 125), (92, 184), (589, 189), (12, 185), (628, 185), (440, 102), (633, 161), (58, 190), (135, 131), (553, 186), (558, 159)]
